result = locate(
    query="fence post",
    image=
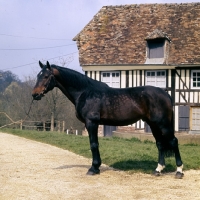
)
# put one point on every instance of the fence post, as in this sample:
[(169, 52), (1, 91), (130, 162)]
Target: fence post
[(58, 126), (52, 121), (63, 126), (21, 124), (43, 126)]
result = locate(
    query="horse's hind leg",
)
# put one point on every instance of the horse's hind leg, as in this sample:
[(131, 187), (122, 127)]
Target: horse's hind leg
[(179, 163), (161, 151), (166, 143), (161, 159), (171, 145)]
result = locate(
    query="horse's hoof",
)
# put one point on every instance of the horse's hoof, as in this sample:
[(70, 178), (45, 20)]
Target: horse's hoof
[(156, 173), (179, 175), (93, 171)]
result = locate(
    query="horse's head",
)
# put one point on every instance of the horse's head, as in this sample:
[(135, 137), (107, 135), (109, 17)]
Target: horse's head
[(45, 81)]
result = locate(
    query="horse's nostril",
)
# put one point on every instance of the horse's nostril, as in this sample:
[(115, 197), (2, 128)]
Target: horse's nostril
[(36, 96)]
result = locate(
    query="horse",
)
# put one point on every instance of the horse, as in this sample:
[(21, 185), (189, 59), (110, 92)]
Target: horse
[(98, 104)]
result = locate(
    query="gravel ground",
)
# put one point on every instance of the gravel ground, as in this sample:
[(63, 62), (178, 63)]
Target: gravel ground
[(33, 170)]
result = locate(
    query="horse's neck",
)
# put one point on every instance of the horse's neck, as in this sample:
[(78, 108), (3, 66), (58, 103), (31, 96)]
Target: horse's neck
[(72, 95), (69, 89)]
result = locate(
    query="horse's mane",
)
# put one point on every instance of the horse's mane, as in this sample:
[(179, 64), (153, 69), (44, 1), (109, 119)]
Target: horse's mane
[(77, 79)]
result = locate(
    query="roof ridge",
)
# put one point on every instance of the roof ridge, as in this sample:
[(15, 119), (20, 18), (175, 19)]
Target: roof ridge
[(148, 4)]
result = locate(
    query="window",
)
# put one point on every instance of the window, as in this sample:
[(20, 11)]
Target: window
[(183, 113), (155, 48), (156, 78), (195, 123), (195, 79), (112, 79)]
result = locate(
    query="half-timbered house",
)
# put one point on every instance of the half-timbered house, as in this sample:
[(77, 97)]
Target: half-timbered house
[(148, 44)]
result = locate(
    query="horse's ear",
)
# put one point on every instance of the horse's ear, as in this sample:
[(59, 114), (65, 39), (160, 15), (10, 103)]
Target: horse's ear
[(41, 65), (48, 65)]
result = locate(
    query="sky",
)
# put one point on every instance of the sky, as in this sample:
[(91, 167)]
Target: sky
[(43, 30)]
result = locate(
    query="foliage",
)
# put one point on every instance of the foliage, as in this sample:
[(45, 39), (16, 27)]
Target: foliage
[(130, 155), (16, 98), (6, 78)]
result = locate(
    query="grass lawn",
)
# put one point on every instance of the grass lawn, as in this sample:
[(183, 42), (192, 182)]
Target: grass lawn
[(129, 155)]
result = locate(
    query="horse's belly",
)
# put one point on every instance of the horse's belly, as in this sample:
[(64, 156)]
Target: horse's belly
[(118, 121)]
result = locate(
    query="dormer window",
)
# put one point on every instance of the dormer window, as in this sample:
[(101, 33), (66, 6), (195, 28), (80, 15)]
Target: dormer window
[(157, 47)]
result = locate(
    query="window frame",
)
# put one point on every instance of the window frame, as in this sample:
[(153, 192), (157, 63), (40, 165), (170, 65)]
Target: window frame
[(154, 41), (193, 120), (192, 87), (111, 82), (156, 76)]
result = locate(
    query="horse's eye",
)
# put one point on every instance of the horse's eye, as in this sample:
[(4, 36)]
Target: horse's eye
[(45, 77)]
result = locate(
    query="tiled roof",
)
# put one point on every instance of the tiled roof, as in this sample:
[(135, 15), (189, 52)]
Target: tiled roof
[(157, 34), (118, 34)]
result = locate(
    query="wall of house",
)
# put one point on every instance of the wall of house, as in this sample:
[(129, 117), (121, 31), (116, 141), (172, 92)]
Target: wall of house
[(184, 93), (186, 100), (178, 85)]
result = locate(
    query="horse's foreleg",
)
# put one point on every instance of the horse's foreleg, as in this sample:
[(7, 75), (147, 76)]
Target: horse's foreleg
[(92, 129), (161, 159), (179, 163)]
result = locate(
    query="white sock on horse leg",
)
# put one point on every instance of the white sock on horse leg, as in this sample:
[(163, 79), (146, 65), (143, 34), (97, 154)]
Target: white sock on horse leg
[(160, 167), (180, 169)]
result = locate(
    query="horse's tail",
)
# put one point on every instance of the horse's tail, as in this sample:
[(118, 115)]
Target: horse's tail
[(172, 117)]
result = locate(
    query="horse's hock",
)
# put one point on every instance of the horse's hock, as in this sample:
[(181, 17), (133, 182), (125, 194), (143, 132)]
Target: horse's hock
[(33, 170)]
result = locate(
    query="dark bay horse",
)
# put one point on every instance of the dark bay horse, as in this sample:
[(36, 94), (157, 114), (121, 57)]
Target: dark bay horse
[(96, 103)]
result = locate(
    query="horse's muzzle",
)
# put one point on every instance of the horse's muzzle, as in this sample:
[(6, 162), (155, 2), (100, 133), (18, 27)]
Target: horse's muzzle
[(37, 96)]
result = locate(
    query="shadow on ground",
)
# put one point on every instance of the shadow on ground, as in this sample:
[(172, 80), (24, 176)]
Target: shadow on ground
[(144, 166), (102, 168), (127, 165)]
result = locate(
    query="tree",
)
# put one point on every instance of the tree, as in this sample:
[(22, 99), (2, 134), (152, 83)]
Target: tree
[(6, 78), (16, 98)]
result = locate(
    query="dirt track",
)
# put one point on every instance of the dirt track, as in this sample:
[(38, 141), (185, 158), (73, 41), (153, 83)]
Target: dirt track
[(32, 170)]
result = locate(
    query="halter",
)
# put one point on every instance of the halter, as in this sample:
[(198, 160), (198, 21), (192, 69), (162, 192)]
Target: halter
[(48, 83)]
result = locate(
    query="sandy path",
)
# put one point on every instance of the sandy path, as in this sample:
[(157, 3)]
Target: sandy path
[(32, 170)]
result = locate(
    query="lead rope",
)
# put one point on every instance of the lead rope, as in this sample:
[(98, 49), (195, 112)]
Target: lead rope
[(20, 121), (27, 114)]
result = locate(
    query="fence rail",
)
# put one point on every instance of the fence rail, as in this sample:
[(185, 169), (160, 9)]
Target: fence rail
[(36, 125)]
